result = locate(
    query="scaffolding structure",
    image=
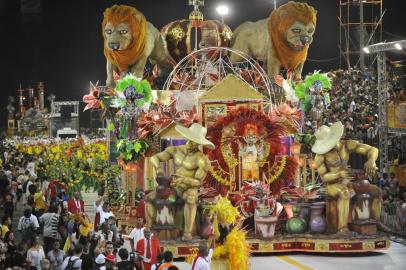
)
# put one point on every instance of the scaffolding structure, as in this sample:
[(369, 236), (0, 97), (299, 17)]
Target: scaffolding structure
[(382, 112), (383, 86), (360, 25)]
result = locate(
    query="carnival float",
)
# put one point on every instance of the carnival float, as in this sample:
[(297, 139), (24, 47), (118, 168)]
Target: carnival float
[(219, 151)]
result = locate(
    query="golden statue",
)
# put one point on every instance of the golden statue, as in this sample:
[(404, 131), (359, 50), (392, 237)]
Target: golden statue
[(331, 159), (191, 169)]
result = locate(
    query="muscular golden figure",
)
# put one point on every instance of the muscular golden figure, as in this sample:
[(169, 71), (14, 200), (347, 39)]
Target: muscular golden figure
[(331, 159), (191, 169)]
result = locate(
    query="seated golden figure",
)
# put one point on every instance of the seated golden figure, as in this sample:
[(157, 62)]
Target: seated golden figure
[(331, 159), (191, 169)]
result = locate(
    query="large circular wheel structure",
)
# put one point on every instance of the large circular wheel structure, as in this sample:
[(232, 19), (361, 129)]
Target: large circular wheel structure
[(203, 68)]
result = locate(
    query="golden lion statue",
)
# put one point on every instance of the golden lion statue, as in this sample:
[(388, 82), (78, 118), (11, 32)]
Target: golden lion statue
[(280, 41), (129, 40)]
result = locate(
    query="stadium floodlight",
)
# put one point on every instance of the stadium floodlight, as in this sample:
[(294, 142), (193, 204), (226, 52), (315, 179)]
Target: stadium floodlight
[(222, 10), (385, 46)]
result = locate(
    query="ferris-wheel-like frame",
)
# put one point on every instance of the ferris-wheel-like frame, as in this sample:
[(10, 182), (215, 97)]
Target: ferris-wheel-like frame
[(202, 69)]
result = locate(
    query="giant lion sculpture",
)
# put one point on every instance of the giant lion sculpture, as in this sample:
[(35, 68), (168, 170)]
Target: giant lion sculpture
[(280, 41), (129, 40)]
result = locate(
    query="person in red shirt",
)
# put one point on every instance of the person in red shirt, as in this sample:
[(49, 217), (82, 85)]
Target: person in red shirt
[(76, 204), (148, 248), (51, 192)]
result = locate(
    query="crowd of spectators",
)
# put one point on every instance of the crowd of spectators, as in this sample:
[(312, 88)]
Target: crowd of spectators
[(394, 202), (55, 233), (354, 100)]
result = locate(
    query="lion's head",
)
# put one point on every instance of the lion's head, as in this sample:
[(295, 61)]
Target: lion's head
[(291, 28), (124, 32)]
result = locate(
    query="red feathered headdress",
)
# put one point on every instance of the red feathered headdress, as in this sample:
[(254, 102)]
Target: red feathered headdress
[(226, 133)]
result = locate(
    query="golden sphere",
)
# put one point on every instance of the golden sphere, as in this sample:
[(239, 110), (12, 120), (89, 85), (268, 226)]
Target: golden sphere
[(196, 15)]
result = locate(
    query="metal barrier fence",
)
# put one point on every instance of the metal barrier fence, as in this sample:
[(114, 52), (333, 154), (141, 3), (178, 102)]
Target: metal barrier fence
[(393, 215)]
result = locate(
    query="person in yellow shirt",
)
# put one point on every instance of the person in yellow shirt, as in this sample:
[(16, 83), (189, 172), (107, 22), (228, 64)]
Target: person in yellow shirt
[(6, 222), (40, 204)]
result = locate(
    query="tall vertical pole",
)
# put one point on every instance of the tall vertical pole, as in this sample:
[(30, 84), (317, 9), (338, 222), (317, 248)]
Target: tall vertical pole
[(341, 41), (274, 4), (361, 36), (348, 35), (41, 89), (196, 45), (381, 23), (382, 117)]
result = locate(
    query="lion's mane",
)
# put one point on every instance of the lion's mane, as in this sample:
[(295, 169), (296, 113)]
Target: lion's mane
[(278, 24), (136, 20)]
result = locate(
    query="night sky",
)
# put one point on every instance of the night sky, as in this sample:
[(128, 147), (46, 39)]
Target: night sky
[(63, 45)]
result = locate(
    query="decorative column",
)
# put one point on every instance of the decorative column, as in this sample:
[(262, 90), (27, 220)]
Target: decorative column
[(295, 150), (21, 99), (41, 90), (312, 165), (36, 104), (303, 160), (30, 91), (196, 17)]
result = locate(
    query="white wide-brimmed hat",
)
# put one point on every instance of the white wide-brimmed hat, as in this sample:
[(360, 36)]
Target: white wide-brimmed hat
[(195, 133), (327, 138)]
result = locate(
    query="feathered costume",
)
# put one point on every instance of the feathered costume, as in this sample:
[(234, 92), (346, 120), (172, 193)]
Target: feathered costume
[(225, 135)]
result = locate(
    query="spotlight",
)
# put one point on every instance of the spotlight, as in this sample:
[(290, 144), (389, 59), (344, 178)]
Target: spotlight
[(398, 46), (222, 10), (366, 50)]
